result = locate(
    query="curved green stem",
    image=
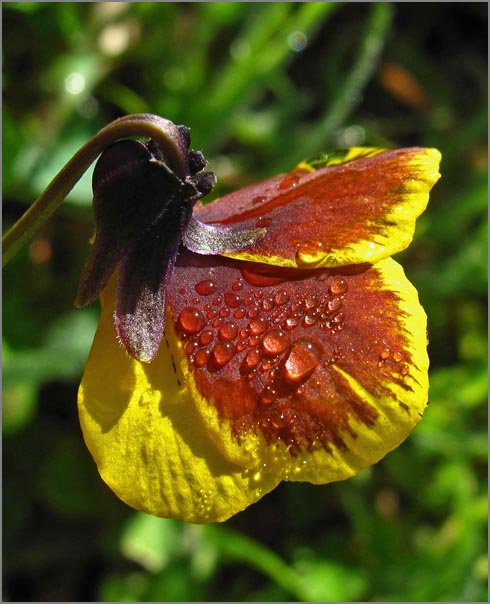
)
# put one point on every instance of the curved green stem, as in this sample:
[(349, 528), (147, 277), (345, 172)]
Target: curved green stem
[(164, 132)]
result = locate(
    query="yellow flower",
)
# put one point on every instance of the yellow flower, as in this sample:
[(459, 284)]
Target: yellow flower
[(299, 355)]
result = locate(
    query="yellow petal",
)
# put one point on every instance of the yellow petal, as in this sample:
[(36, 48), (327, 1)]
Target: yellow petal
[(147, 439)]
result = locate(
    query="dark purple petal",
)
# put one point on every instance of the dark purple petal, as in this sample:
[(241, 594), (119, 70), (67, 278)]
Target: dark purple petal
[(141, 291)]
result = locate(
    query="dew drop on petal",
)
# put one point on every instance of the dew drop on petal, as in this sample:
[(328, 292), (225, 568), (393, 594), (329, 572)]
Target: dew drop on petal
[(290, 180), (334, 304), (281, 298), (201, 358), (291, 322), (232, 300), (206, 337), (191, 320), (310, 252), (385, 354), (206, 287), (258, 326), (275, 342), (309, 320), (404, 369), (301, 362), (397, 356), (222, 353), (228, 331), (251, 360), (338, 286)]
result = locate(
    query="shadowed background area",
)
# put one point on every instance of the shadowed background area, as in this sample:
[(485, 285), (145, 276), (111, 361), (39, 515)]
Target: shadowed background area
[(261, 85)]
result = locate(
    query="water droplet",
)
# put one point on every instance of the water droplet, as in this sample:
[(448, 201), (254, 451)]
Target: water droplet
[(302, 360), (310, 252), (189, 349), (237, 286), (290, 180), (268, 395), (258, 326), (397, 356), (267, 303), (239, 313), (201, 358), (228, 331), (308, 303), (338, 318), (222, 353), (281, 298), (211, 314), (241, 345), (385, 354), (309, 320), (259, 199), (275, 342), (205, 288), (334, 304), (290, 323), (404, 369), (338, 286), (191, 320), (232, 300), (251, 360)]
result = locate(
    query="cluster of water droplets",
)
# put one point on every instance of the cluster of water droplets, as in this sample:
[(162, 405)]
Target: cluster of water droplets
[(393, 359), (254, 326)]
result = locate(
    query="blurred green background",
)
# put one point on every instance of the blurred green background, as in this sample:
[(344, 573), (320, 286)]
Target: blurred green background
[(261, 85)]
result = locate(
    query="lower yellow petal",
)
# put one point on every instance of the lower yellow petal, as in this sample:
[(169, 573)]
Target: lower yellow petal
[(147, 439)]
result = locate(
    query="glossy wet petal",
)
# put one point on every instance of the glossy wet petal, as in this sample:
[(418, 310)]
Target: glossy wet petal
[(147, 439), (308, 375), (362, 210)]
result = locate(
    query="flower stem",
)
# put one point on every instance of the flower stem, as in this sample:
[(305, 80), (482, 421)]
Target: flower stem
[(145, 124)]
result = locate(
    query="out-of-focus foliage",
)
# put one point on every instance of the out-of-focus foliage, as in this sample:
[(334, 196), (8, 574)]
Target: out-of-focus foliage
[(261, 85)]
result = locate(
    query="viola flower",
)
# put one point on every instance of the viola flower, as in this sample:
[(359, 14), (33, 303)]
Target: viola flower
[(294, 347)]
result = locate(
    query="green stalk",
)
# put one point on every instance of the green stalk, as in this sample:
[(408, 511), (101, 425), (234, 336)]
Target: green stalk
[(145, 125), (375, 34)]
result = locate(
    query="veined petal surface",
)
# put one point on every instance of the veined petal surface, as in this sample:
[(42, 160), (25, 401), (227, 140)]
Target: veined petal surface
[(349, 212), (307, 375)]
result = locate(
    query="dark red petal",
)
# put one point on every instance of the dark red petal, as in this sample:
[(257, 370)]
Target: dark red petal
[(361, 211), (274, 349)]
